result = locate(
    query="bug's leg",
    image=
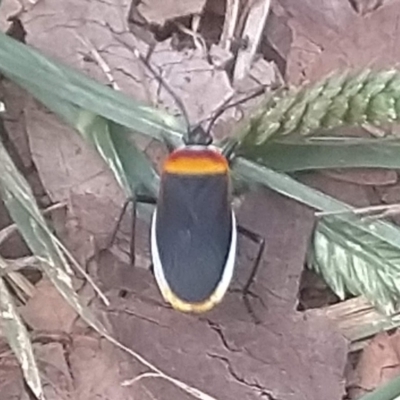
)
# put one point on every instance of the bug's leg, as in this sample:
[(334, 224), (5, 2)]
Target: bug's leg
[(258, 239), (97, 251), (139, 199), (118, 223), (134, 200)]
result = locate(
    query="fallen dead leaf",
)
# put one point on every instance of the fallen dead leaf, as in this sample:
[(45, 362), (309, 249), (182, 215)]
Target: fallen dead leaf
[(8, 9), (189, 74), (11, 382), (364, 176), (350, 193), (379, 363), (158, 12), (57, 379), (47, 310), (95, 367), (330, 35)]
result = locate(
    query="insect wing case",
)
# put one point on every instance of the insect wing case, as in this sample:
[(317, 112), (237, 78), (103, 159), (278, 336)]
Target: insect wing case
[(194, 231)]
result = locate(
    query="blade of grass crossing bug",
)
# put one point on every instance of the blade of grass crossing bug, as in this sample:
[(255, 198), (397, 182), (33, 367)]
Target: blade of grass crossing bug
[(142, 176), (359, 256), (95, 130), (130, 166), (18, 337), (143, 179), (39, 75)]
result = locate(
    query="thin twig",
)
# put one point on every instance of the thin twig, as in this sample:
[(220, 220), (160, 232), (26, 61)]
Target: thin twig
[(230, 22), (252, 33), (100, 60), (130, 382), (82, 271), (384, 210)]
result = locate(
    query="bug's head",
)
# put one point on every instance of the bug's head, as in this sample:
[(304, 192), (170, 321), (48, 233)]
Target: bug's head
[(198, 136)]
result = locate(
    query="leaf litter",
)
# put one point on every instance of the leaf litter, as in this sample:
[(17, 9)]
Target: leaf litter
[(310, 40)]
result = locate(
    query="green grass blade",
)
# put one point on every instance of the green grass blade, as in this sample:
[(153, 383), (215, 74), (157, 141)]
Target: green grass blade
[(47, 79), (18, 337), (312, 155), (143, 178), (287, 186), (130, 166), (354, 255)]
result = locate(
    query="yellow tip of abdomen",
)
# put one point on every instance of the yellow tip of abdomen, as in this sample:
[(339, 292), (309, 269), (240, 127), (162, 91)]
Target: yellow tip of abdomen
[(196, 308)]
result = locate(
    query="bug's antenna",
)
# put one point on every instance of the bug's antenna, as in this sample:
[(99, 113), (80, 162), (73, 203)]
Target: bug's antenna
[(225, 107), (145, 61)]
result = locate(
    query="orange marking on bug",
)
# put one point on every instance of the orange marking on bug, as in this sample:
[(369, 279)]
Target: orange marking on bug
[(188, 161)]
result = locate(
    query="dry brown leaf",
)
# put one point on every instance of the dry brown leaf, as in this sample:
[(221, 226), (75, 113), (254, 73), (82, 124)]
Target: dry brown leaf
[(8, 9), (96, 371), (57, 379), (347, 192), (200, 86), (330, 34), (379, 363), (158, 12), (11, 381), (47, 309), (364, 176)]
